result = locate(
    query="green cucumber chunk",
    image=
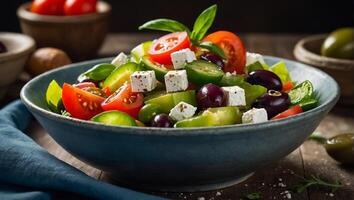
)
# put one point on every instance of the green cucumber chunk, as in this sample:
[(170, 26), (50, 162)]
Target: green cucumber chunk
[(301, 93), (213, 117), (231, 80), (225, 115), (198, 121), (160, 70), (148, 111), (202, 72), (53, 97), (170, 100), (120, 75), (308, 104), (141, 50), (114, 117)]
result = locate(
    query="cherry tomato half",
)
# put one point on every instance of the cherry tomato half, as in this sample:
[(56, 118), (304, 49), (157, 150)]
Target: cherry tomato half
[(124, 100), (80, 103), (288, 86), (80, 7), (161, 50), (48, 7), (233, 47), (291, 111)]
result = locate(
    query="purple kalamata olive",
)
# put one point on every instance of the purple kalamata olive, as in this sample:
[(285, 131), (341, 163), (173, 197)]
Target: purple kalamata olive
[(274, 102), (265, 78), (210, 95)]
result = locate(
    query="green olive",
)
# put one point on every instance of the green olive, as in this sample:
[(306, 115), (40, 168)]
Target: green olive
[(341, 148), (339, 44)]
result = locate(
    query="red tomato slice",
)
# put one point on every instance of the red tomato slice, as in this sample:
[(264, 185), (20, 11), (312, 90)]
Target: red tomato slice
[(48, 7), (288, 86), (79, 103), (233, 47), (80, 7), (107, 91), (161, 50), (291, 111), (124, 100), (84, 85)]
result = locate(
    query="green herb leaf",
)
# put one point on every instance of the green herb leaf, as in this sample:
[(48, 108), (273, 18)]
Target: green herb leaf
[(168, 25), (254, 195), (98, 72), (213, 48), (316, 181), (203, 23), (53, 96)]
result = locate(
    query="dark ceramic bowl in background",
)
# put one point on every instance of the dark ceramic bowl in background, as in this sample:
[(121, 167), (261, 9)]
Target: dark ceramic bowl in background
[(308, 50), (79, 36), (182, 159)]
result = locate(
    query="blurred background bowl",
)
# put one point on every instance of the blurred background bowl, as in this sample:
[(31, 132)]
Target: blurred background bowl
[(12, 62), (307, 51), (79, 36)]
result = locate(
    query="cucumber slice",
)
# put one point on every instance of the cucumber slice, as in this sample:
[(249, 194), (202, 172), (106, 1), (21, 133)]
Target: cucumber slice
[(160, 70), (120, 75), (308, 104), (225, 115), (198, 121), (141, 50), (148, 111), (170, 100), (114, 117), (202, 72), (213, 117)]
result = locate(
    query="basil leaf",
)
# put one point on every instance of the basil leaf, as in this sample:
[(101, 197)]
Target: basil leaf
[(98, 72), (203, 23), (53, 97), (168, 25), (301, 93), (213, 48)]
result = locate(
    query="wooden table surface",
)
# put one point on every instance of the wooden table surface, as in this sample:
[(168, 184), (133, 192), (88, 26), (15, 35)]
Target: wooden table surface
[(274, 181)]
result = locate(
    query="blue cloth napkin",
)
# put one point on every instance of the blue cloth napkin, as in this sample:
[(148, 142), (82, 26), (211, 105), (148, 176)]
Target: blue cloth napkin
[(27, 171)]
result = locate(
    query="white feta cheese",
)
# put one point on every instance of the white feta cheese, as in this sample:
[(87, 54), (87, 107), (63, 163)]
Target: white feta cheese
[(254, 57), (121, 59), (235, 96), (143, 81), (176, 80), (255, 115), (181, 57), (182, 111)]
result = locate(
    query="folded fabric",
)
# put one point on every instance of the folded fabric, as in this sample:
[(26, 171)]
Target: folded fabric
[(27, 171)]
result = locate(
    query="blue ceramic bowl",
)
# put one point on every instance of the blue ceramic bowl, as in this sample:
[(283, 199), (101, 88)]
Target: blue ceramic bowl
[(181, 159)]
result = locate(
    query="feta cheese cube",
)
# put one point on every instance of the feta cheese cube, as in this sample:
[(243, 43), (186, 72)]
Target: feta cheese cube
[(176, 80), (235, 96), (255, 115), (121, 59), (254, 57), (182, 111), (181, 57), (143, 81)]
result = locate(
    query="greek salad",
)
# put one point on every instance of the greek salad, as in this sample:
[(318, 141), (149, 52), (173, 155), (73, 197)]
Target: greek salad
[(186, 78)]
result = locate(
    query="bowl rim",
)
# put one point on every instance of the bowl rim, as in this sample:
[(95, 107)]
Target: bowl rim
[(103, 10), (305, 55), (29, 46), (175, 131)]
